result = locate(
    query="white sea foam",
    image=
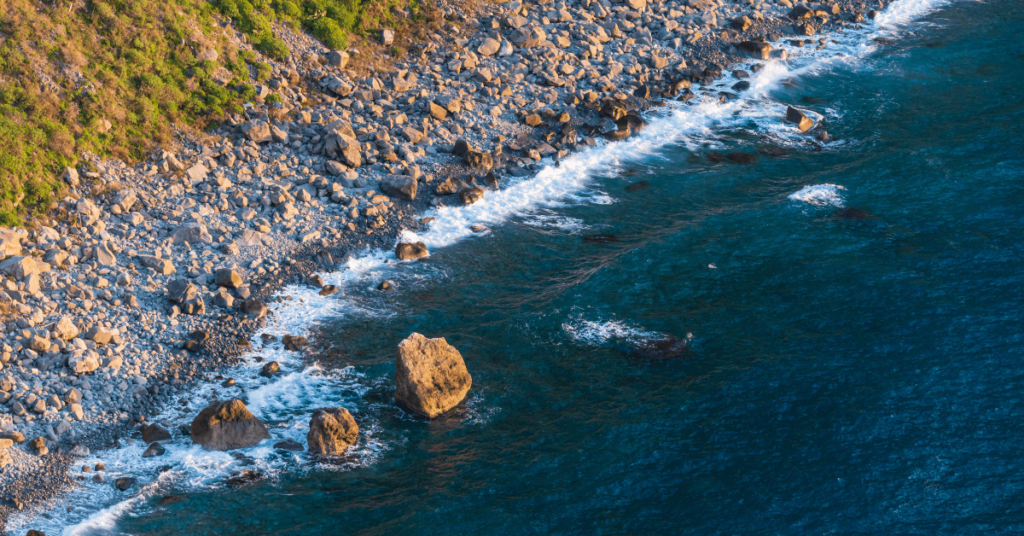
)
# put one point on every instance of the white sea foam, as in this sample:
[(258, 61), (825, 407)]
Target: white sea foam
[(287, 402), (597, 333), (820, 195)]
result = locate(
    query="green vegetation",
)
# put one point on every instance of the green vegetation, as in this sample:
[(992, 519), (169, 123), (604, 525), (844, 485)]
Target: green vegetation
[(65, 74), (111, 77)]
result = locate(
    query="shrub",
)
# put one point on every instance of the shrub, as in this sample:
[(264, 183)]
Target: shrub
[(275, 48), (328, 31)]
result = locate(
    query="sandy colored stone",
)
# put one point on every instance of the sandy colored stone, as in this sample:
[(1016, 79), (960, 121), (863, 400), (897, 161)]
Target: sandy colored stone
[(226, 426), (331, 431), (430, 376)]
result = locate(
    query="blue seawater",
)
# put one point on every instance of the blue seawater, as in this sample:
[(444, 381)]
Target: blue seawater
[(844, 321)]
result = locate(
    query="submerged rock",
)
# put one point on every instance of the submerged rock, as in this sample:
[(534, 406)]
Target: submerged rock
[(226, 426), (662, 349), (599, 238), (331, 431), (637, 186), (430, 376), (289, 444)]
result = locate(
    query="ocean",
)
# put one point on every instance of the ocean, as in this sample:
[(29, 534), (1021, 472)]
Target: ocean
[(719, 326)]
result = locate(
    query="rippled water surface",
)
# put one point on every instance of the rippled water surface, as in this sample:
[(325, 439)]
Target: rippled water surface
[(855, 313)]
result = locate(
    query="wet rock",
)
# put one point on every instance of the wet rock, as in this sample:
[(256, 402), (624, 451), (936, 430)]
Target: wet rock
[(471, 195), (742, 158), (798, 118), (293, 343), (155, 432), (430, 376), (661, 349), (407, 251), (253, 308), (154, 450), (756, 49), (851, 214), (270, 369), (479, 161), (243, 478), (328, 290), (226, 426), (124, 483), (170, 499), (637, 186), (385, 286), (289, 444), (331, 431), (599, 238)]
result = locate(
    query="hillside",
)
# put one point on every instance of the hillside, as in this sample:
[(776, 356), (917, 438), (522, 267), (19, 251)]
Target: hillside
[(120, 78)]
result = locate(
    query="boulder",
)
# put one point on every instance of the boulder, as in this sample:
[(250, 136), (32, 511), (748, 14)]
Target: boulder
[(155, 432), (489, 47), (84, 363), (270, 369), (331, 431), (125, 483), (798, 118), (229, 278), (407, 251), (403, 186), (479, 161), (197, 173), (756, 49), (182, 291), (192, 233), (10, 242), (293, 344), (337, 58), (226, 426), (160, 266), (471, 195), (430, 376), (20, 267), (253, 308), (104, 256), (257, 131)]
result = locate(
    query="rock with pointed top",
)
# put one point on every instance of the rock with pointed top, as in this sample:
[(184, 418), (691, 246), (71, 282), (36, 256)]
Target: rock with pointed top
[(227, 425)]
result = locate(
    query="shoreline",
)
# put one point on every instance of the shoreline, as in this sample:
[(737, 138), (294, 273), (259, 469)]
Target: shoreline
[(98, 429)]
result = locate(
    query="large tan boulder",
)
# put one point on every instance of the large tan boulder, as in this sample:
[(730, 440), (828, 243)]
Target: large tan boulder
[(331, 431), (226, 426), (10, 242), (430, 376), (407, 251)]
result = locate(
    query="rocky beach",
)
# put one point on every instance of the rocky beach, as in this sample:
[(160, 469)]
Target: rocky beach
[(146, 280)]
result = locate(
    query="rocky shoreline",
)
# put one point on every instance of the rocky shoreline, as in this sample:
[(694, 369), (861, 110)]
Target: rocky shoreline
[(150, 278)]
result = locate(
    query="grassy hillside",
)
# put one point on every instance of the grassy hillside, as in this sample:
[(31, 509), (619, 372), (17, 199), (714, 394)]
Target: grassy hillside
[(113, 76)]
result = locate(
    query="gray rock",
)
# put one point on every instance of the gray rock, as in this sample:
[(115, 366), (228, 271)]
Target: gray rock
[(402, 186), (229, 278), (192, 233)]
